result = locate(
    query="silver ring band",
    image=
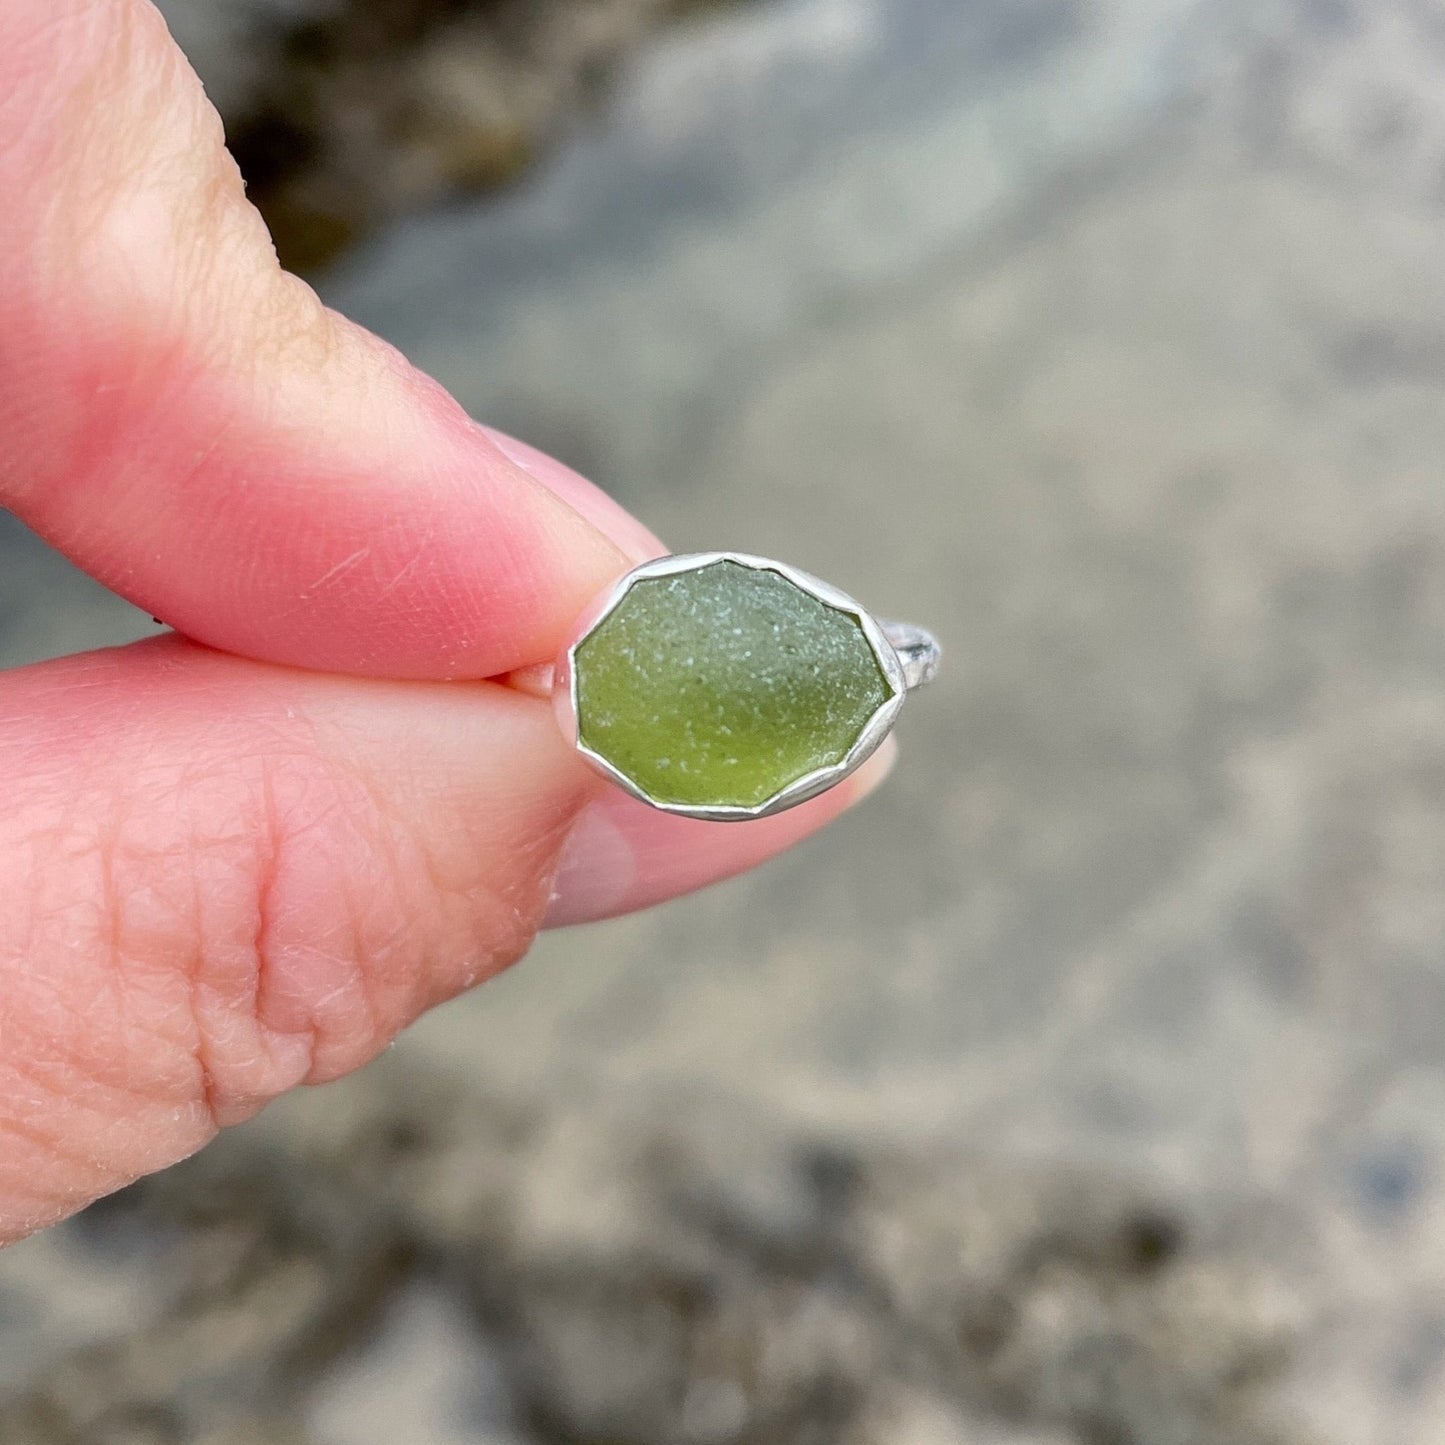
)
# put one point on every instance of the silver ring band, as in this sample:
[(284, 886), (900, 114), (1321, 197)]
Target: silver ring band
[(917, 650)]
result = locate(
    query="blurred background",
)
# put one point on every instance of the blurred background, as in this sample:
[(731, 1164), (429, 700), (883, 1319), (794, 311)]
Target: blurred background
[(1087, 1087)]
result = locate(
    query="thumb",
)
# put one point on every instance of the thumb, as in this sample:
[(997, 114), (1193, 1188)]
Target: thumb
[(195, 429)]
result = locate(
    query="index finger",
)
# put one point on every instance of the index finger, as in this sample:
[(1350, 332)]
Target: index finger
[(191, 426)]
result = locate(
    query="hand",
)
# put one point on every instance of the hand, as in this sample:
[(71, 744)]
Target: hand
[(241, 858)]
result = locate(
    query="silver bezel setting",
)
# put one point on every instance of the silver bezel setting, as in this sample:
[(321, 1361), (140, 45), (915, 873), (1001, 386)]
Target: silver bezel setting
[(801, 789)]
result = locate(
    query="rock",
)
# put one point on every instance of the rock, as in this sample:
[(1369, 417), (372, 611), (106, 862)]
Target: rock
[(344, 112)]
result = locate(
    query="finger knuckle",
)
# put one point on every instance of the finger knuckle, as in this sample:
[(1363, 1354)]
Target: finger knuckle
[(257, 925)]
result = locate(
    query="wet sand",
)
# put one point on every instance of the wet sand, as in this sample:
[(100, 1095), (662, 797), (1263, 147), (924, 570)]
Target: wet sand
[(1107, 340)]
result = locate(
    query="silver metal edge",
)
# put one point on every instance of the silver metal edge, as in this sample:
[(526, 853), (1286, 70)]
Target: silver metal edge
[(800, 790)]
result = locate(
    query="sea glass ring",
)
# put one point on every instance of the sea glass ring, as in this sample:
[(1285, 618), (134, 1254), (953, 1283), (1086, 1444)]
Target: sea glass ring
[(723, 686)]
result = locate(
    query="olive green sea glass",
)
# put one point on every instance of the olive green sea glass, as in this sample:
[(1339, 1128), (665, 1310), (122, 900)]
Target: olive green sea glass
[(721, 686)]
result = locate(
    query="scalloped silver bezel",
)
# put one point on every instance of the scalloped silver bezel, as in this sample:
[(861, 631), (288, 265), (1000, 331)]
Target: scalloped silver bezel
[(811, 784)]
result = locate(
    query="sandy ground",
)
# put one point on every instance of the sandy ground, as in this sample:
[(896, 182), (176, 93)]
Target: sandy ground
[(1107, 339)]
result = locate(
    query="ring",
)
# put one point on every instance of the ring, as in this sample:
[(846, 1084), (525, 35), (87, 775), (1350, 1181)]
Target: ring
[(723, 686)]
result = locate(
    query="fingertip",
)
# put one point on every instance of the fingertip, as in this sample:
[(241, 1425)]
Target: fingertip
[(586, 498), (622, 856)]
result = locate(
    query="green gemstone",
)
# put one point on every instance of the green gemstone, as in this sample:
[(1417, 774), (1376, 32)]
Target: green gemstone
[(720, 686)]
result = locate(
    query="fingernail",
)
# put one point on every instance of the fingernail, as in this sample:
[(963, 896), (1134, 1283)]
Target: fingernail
[(597, 869), (584, 497), (622, 855)]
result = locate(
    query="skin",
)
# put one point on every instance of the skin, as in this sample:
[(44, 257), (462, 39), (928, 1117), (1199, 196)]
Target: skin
[(241, 857)]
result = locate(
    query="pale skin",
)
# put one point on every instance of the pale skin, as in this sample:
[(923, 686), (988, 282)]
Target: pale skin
[(241, 857)]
